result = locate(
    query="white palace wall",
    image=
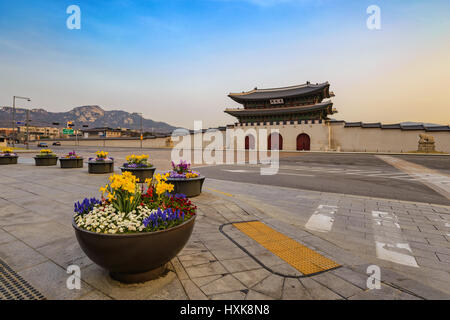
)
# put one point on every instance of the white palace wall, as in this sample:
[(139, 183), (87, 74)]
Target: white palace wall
[(337, 137), (324, 137)]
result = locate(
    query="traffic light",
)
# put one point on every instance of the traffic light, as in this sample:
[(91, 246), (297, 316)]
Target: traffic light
[(70, 124)]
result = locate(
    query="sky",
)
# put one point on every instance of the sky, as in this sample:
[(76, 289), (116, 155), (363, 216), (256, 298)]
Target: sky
[(176, 60)]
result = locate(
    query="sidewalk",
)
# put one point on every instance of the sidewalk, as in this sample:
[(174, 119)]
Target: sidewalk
[(37, 241)]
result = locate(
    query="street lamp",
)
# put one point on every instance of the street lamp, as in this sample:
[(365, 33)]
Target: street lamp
[(14, 115), (142, 134)]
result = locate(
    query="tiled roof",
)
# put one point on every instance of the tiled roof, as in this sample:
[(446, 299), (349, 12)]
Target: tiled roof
[(412, 126), (282, 110), (276, 93)]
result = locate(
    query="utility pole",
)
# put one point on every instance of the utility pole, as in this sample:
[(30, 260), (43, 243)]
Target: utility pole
[(14, 121), (142, 137), (76, 135), (14, 116), (28, 120)]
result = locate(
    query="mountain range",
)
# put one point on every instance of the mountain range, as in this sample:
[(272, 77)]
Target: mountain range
[(92, 116)]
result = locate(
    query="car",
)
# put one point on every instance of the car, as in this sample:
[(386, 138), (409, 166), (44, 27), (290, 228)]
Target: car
[(42, 145), (56, 143)]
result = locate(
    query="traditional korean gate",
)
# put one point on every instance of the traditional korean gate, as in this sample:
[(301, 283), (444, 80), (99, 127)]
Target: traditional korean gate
[(303, 142), (278, 142), (249, 142)]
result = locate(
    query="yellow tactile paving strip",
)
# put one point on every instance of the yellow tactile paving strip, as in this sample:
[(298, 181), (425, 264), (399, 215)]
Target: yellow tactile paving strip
[(302, 258)]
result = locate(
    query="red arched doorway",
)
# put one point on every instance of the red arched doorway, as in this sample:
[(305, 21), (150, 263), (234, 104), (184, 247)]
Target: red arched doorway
[(277, 141), (249, 142), (303, 142)]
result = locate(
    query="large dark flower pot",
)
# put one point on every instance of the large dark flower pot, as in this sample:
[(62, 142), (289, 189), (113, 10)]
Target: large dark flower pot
[(8, 160), (190, 187), (101, 166), (134, 257), (140, 173), (46, 161), (67, 163)]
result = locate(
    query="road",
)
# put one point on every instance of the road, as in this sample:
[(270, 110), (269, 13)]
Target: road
[(354, 174)]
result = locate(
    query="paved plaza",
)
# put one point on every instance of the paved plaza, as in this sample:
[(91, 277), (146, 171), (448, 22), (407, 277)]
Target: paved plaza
[(408, 240)]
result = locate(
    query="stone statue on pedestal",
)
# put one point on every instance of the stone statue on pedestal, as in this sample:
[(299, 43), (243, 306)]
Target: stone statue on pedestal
[(426, 143)]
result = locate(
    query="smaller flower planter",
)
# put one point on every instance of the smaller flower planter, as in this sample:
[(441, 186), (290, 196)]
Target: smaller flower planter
[(46, 161), (140, 173), (68, 163), (8, 160), (99, 167), (191, 187)]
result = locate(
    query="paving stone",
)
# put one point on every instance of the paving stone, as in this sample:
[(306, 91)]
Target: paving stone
[(196, 259), (65, 252), (172, 291), (245, 241), (443, 257), (22, 217), (240, 264), (286, 270), (193, 247), (213, 268), (356, 278), (19, 256), (252, 277), (181, 273), (100, 280), (317, 291), (227, 254), (39, 234), (225, 284), (271, 286), (404, 282), (255, 295), (269, 259), (193, 292), (385, 293), (95, 295), (428, 247), (438, 242), (256, 249), (337, 285), (433, 264), (205, 280), (212, 236), (220, 244), (412, 285), (236, 295), (294, 290), (5, 237), (50, 279)]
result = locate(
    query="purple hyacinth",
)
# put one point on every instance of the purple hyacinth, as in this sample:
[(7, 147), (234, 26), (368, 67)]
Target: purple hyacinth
[(161, 217), (85, 206)]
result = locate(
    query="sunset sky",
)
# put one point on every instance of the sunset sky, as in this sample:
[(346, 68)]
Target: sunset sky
[(176, 60)]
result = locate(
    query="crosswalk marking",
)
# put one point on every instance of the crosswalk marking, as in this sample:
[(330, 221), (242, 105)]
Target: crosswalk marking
[(366, 173), (430, 177), (433, 178), (387, 233), (322, 219), (281, 173)]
